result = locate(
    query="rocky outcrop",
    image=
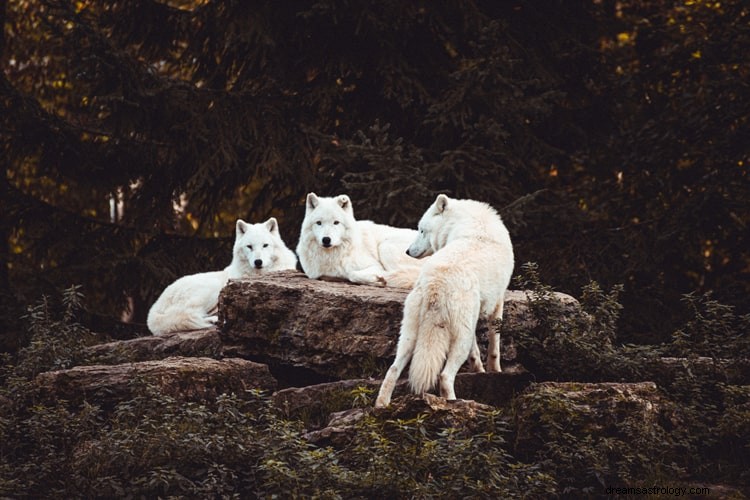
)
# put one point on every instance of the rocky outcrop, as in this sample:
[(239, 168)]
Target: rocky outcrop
[(284, 330)]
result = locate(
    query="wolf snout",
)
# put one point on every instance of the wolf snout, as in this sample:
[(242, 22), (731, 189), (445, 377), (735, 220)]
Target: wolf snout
[(326, 241), (258, 263)]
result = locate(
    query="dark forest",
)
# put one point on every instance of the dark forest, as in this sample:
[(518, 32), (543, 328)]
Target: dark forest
[(613, 137)]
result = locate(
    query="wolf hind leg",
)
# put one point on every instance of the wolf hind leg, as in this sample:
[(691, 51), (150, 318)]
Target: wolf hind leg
[(373, 275), (493, 333), (407, 340), (463, 344), (475, 358)]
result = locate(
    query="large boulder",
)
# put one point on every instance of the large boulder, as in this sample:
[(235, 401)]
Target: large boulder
[(335, 329)]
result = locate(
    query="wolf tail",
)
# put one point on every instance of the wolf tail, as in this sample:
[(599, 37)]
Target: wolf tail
[(403, 277), (161, 322), (437, 320)]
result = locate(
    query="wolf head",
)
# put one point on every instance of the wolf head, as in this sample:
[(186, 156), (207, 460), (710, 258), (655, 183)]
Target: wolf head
[(258, 244), (328, 220), (431, 231)]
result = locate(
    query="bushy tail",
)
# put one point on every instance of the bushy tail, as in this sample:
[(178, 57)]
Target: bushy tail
[(433, 338), (404, 277), (167, 322)]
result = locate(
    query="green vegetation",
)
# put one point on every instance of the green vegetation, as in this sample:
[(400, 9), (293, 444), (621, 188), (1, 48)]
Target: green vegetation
[(690, 430)]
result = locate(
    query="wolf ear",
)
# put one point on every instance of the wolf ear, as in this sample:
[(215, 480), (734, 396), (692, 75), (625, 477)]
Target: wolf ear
[(441, 202), (312, 201), (242, 227), (272, 225), (344, 202)]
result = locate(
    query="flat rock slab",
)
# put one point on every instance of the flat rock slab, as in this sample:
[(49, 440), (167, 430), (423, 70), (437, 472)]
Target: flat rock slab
[(190, 379), (336, 329), (203, 343)]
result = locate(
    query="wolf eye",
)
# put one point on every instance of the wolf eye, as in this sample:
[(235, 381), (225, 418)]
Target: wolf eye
[(319, 223), (335, 223), (250, 247), (265, 245)]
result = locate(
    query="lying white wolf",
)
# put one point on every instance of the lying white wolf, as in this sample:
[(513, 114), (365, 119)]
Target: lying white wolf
[(191, 302), (464, 280), (333, 244)]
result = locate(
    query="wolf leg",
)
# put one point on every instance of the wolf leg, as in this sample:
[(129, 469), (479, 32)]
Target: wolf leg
[(493, 350), (372, 275), (475, 358), (463, 344), (407, 339)]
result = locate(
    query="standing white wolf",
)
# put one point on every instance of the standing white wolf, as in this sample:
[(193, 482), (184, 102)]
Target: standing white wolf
[(191, 302), (464, 280), (333, 244)]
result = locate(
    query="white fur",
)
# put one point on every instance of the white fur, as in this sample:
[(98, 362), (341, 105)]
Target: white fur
[(191, 302), (464, 280), (333, 244)]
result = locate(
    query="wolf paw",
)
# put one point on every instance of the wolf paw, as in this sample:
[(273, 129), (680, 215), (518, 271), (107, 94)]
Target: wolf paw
[(382, 402)]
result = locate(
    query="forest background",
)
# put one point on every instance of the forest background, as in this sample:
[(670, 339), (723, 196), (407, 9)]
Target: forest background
[(612, 136)]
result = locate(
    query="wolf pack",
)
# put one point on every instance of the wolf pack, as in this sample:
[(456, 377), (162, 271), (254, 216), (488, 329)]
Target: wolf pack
[(457, 265)]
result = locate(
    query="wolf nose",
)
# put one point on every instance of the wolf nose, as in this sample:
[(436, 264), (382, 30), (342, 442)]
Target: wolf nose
[(258, 263), (326, 241)]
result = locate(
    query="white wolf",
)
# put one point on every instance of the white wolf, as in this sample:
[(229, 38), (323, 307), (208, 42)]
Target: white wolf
[(191, 302), (333, 244), (464, 280)]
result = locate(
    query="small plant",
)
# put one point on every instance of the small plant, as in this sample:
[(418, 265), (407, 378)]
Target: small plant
[(362, 397), (714, 329), (57, 340)]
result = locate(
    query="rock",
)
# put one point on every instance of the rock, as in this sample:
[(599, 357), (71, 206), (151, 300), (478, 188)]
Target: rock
[(666, 370), (315, 404), (193, 343), (190, 379), (436, 413), (336, 329), (601, 410)]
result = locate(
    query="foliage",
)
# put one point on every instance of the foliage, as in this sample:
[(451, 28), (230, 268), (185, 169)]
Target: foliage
[(238, 445), (57, 338), (714, 329), (702, 395), (572, 342)]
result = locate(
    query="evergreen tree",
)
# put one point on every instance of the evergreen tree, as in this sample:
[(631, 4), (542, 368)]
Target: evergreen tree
[(605, 132)]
